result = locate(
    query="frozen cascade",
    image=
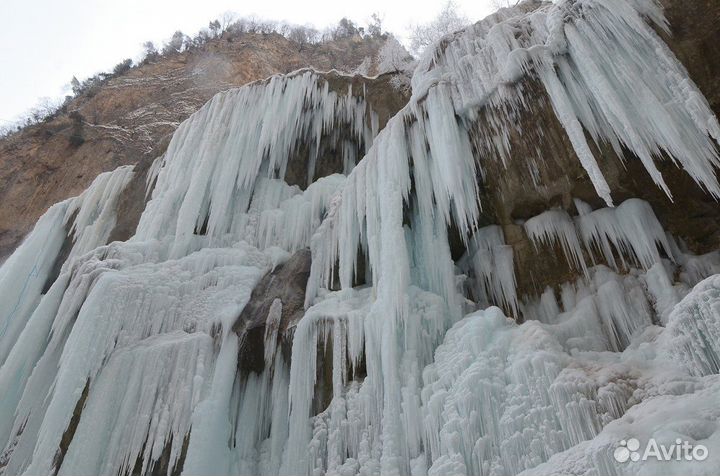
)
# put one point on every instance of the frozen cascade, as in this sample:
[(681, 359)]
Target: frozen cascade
[(246, 138), (128, 357), (423, 162), (138, 335), (86, 220)]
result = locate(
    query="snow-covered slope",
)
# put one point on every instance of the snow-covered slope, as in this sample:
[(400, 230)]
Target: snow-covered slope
[(140, 356)]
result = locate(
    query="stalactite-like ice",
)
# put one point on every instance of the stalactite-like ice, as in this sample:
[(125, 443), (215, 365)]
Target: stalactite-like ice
[(629, 231), (138, 335), (86, 221), (556, 227), (590, 56), (209, 173), (492, 262)]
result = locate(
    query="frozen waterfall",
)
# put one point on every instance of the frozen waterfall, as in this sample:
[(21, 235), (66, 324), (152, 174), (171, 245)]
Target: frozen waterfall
[(409, 358)]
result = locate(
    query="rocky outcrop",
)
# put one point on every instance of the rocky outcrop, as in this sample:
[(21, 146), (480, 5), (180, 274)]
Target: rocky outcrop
[(284, 286)]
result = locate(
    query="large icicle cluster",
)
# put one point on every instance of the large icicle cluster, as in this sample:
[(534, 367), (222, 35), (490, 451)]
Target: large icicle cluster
[(590, 56), (130, 358), (630, 231), (112, 353), (86, 221), (421, 177), (244, 140)]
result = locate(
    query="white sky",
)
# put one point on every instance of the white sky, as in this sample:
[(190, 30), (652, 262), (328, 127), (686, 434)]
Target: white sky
[(44, 43)]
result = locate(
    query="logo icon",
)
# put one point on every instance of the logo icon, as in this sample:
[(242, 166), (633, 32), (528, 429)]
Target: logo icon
[(628, 450)]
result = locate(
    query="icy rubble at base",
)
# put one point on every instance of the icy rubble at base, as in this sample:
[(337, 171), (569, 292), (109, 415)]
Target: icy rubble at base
[(687, 407), (505, 398), (133, 351), (693, 331)]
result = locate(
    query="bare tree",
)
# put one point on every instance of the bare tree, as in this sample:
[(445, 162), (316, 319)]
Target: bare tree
[(122, 67), (284, 29), (215, 28), (75, 85), (448, 21), (394, 58), (227, 19), (345, 29), (498, 4), (374, 27), (150, 51), (203, 36), (175, 44), (302, 35)]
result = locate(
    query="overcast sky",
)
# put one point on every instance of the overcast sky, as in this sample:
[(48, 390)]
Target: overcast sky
[(44, 43)]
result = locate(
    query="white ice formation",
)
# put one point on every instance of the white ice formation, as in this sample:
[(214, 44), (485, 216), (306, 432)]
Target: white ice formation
[(125, 357)]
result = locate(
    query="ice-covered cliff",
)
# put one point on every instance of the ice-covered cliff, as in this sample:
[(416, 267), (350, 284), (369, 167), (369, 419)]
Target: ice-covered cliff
[(315, 287)]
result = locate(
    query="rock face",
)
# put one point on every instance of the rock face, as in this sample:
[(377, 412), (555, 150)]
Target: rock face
[(284, 286), (130, 119), (692, 215)]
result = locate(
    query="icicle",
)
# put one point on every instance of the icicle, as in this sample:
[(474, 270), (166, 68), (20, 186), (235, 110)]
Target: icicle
[(26, 275), (590, 57), (492, 263), (217, 156), (143, 331), (556, 227), (632, 229)]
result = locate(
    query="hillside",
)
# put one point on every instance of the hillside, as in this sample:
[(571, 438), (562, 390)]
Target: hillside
[(130, 118)]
